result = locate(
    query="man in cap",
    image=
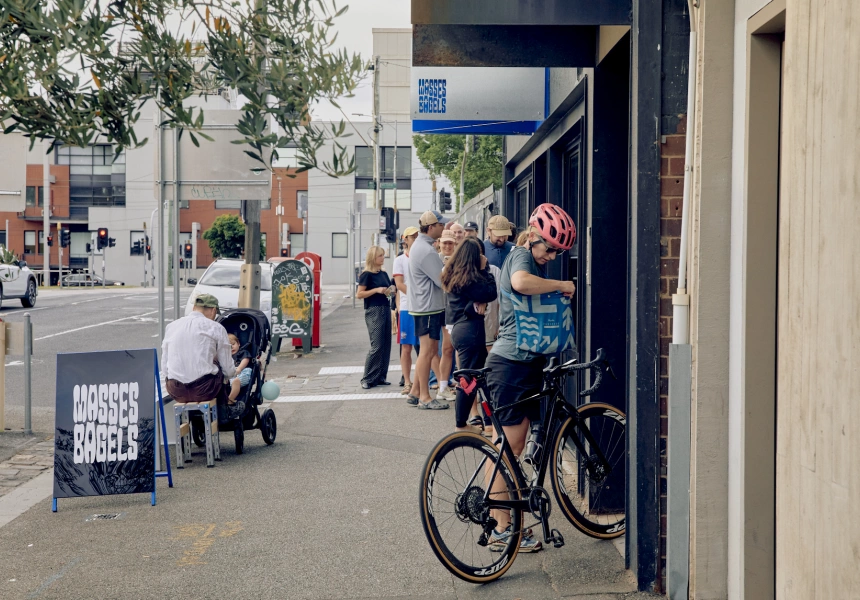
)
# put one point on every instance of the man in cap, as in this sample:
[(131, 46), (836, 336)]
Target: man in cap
[(426, 304), (196, 357), (496, 246), (471, 229), (406, 326)]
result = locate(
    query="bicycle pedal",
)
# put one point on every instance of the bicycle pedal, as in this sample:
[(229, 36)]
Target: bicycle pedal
[(557, 539), (484, 539)]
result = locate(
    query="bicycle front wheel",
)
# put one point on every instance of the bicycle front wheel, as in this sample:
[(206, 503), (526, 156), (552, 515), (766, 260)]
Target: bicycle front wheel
[(591, 492), (453, 511)]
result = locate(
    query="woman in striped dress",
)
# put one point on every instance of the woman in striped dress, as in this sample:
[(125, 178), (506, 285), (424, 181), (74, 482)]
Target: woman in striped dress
[(376, 289)]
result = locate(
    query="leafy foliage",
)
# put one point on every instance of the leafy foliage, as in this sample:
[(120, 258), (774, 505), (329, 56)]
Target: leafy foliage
[(7, 257), (226, 237), (74, 70), (443, 155)]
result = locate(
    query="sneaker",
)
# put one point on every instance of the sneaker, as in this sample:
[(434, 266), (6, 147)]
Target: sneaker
[(234, 411), (448, 395), (432, 405), (499, 540), (412, 400)]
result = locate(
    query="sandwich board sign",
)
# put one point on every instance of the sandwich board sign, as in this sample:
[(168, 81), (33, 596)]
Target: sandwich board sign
[(104, 441), (293, 302)]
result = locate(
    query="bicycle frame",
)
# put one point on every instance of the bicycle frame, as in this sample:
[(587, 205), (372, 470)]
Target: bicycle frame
[(559, 410)]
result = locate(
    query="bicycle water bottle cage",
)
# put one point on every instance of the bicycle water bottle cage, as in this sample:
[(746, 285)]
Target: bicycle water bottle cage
[(468, 385)]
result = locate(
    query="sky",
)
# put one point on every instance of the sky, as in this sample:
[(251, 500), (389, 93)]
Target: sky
[(355, 33)]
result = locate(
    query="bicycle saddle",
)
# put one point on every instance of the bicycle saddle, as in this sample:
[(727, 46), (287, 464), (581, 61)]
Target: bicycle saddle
[(472, 372)]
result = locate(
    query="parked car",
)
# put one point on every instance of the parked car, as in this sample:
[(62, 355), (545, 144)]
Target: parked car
[(84, 279), (17, 281), (221, 280)]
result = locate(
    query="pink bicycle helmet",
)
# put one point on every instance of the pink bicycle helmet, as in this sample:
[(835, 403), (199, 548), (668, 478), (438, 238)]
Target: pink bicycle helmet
[(554, 226)]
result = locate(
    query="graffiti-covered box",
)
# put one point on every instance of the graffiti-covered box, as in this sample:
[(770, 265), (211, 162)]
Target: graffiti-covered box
[(292, 301), (105, 423)]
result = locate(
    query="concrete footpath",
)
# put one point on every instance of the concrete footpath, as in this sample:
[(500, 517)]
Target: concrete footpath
[(329, 511)]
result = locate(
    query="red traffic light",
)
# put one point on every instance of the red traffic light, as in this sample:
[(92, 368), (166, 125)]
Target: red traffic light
[(50, 240)]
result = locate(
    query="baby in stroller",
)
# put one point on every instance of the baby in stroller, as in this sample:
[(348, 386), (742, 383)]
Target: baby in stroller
[(242, 361)]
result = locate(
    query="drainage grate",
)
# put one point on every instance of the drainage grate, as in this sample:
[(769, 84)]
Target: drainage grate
[(105, 517)]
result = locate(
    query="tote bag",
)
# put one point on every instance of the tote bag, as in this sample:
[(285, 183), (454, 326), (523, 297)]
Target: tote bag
[(544, 322)]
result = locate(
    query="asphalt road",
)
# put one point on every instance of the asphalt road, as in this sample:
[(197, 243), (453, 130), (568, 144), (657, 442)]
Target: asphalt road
[(329, 511), (77, 320)]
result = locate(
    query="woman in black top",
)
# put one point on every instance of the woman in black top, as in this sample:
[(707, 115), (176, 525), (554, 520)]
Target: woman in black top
[(376, 288), (469, 286)]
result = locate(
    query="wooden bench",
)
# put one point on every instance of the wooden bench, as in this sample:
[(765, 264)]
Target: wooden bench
[(182, 413)]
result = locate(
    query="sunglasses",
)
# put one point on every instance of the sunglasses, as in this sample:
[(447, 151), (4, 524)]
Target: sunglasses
[(550, 249)]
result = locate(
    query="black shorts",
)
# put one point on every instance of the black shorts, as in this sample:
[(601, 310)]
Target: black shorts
[(511, 380), (430, 325)]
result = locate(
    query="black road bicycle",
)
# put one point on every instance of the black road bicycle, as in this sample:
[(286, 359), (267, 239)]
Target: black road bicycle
[(470, 485)]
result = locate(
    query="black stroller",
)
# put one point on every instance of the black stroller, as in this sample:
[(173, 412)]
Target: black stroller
[(254, 333)]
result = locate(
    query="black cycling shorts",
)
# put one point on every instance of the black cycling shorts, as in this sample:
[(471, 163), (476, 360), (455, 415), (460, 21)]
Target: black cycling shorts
[(511, 380), (430, 325)]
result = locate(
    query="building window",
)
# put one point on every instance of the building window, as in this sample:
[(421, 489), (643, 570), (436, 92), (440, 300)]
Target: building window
[(263, 245), (3, 238), (288, 158), (96, 177), (136, 237), (339, 245), (297, 243), (31, 196), (237, 204), (301, 204), (364, 179), (29, 242)]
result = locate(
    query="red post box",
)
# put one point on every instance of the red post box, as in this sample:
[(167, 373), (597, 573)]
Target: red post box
[(314, 261)]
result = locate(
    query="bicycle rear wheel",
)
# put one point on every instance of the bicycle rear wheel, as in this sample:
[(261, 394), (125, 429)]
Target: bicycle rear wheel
[(453, 511), (592, 497)]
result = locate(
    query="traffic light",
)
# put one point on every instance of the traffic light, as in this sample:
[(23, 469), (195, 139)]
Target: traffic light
[(444, 201), (111, 242), (89, 247), (102, 238), (388, 223), (136, 248), (50, 240), (148, 247), (188, 250), (284, 252), (65, 238)]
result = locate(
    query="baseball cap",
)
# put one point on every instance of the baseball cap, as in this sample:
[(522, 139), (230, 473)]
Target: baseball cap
[(499, 225), (448, 236), (430, 217), (409, 231), (470, 226), (206, 301)]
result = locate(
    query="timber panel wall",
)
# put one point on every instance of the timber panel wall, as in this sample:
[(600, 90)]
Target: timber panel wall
[(818, 433)]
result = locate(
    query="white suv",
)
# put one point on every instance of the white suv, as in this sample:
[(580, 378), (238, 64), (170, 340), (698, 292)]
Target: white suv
[(17, 281), (221, 280)]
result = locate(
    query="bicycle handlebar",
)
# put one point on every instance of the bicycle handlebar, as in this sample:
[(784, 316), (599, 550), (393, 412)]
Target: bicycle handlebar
[(599, 364)]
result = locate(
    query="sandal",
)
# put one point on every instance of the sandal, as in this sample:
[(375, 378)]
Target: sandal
[(476, 421)]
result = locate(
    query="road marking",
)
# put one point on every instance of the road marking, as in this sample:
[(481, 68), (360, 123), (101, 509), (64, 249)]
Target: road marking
[(47, 583), (19, 500), (344, 370), (14, 312), (338, 397), (203, 539), (45, 337)]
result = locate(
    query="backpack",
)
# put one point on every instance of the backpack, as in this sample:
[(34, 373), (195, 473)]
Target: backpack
[(544, 322)]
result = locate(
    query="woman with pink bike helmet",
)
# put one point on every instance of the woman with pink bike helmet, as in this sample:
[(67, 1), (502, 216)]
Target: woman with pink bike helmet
[(554, 225)]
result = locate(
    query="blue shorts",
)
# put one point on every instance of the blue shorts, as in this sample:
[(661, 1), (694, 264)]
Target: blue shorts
[(244, 377), (407, 329)]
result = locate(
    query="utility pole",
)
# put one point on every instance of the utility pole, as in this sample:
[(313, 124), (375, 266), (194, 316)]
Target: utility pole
[(433, 181), (393, 249), (46, 213), (280, 212), (177, 309), (376, 157), (463, 173)]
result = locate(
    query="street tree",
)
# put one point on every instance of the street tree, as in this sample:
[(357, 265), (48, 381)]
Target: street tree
[(226, 238), (443, 155), (77, 72)]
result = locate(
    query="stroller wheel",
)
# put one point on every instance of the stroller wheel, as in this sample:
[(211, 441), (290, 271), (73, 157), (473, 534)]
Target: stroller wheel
[(269, 426), (239, 434), (197, 432)]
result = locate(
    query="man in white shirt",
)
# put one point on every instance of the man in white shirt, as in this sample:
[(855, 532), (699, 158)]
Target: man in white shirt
[(406, 325), (196, 357)]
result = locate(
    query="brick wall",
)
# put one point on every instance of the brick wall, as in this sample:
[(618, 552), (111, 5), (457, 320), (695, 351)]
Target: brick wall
[(671, 196)]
